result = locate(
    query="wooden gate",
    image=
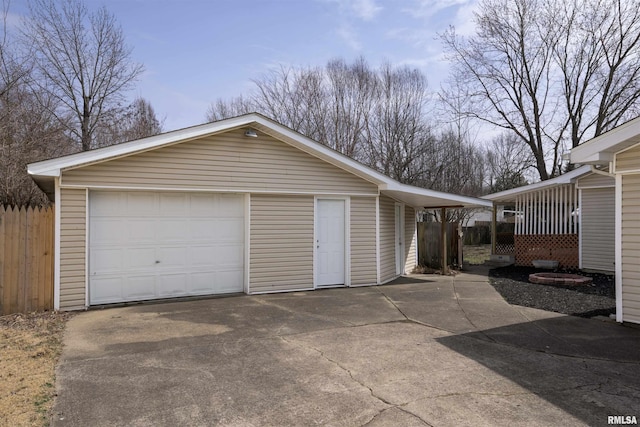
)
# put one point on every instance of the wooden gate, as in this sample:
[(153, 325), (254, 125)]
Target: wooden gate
[(430, 244)]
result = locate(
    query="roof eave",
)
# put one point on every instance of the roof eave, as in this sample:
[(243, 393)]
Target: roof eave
[(567, 178), (600, 150)]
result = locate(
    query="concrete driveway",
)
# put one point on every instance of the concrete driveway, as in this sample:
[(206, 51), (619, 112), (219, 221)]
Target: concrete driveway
[(425, 350)]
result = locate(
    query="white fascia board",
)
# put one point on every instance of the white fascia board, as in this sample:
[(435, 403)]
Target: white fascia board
[(598, 149), (567, 178), (423, 198), (54, 166)]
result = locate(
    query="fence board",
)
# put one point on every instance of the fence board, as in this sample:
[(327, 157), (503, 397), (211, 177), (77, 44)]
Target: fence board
[(430, 246), (26, 259)]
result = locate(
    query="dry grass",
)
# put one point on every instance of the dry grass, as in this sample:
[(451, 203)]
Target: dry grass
[(476, 254), (30, 345)]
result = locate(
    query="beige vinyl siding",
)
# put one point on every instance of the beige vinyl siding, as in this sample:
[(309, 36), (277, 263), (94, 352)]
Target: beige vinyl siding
[(631, 248), (410, 239), (225, 162), (281, 243), (628, 160), (363, 241), (596, 180), (598, 229), (387, 239), (73, 224)]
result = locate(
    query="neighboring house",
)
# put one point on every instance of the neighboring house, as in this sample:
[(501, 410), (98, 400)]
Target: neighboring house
[(619, 150), (239, 205), (567, 219)]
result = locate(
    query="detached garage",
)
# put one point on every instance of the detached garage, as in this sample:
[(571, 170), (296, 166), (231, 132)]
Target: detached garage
[(240, 205)]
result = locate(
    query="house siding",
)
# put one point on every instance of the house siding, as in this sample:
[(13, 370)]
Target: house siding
[(598, 229), (596, 180), (628, 160), (387, 239), (630, 241), (410, 239), (281, 243), (225, 162), (73, 240), (363, 241)]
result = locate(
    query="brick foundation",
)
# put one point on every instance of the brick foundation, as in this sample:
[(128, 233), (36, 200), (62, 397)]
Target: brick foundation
[(559, 247)]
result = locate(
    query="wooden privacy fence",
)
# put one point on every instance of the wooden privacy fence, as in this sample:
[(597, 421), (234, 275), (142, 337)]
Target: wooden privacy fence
[(26, 259), (430, 246)]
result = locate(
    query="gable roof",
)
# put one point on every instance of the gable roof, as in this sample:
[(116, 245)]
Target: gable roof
[(45, 172), (567, 178), (601, 149)]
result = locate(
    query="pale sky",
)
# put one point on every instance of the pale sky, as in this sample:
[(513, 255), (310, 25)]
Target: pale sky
[(195, 51)]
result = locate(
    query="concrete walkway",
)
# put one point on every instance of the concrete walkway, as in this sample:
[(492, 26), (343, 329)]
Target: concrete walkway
[(425, 350)]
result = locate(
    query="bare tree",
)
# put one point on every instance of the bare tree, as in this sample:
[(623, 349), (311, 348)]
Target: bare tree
[(397, 133), (224, 109), (508, 163), (28, 133), (137, 120), (377, 116), (81, 60), (552, 72)]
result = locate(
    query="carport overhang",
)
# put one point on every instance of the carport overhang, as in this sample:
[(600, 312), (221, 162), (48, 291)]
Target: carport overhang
[(422, 198)]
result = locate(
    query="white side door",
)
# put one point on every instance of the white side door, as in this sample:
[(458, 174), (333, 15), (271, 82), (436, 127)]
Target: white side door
[(330, 243)]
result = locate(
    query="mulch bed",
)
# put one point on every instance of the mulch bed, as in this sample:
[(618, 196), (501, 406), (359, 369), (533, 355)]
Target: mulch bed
[(595, 299)]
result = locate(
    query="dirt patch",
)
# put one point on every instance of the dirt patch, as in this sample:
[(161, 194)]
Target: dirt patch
[(593, 299), (30, 345)]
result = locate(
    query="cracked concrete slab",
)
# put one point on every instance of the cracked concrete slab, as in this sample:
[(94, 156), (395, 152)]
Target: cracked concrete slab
[(425, 351)]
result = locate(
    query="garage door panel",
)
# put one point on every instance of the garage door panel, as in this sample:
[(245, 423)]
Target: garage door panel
[(171, 230), (107, 204), (202, 206), (139, 259), (202, 255), (196, 238), (227, 229), (139, 287), (172, 256), (143, 204), (231, 280), (173, 285), (227, 206), (203, 229), (173, 204), (229, 256), (139, 230), (202, 283), (101, 234), (106, 289), (107, 261)]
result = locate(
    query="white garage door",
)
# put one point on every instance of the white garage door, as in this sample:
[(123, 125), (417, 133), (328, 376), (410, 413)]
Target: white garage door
[(149, 245)]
